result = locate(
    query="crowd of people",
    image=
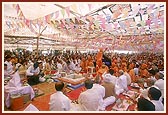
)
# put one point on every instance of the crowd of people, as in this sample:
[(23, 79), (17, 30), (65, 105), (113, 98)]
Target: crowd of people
[(114, 73)]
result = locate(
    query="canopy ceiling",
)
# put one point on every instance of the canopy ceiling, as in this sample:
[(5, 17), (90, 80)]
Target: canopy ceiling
[(120, 26)]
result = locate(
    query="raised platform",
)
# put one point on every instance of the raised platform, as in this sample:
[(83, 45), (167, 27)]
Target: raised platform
[(73, 79)]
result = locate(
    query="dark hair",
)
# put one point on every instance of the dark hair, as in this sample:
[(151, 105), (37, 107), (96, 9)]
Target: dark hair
[(35, 65), (151, 71), (5, 64), (161, 75), (88, 84), (111, 71), (7, 56), (145, 105), (59, 86), (97, 79), (155, 93)]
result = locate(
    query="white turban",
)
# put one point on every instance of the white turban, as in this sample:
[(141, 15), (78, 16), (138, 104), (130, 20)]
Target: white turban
[(107, 78)]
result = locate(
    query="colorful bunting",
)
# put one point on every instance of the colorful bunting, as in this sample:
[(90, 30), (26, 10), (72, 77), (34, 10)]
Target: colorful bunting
[(68, 10), (63, 12)]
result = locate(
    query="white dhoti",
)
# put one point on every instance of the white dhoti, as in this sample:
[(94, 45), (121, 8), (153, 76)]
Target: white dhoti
[(14, 86), (107, 101)]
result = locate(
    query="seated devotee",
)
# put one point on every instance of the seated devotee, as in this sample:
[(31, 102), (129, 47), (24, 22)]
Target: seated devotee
[(99, 89), (128, 76), (73, 67), (15, 86), (160, 84), (145, 86), (102, 70), (41, 73), (136, 69), (9, 69), (89, 100), (59, 101), (131, 73), (143, 72), (47, 66), (145, 105), (6, 74), (110, 96), (154, 94), (121, 83), (110, 75), (32, 74), (22, 69), (89, 63), (83, 64), (59, 65)]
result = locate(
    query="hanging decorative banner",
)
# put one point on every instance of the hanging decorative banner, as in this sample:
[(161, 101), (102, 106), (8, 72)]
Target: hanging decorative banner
[(141, 12), (148, 22), (63, 12), (89, 18), (96, 24), (74, 8), (125, 13), (116, 14), (78, 18), (73, 19), (67, 20), (56, 14), (116, 25), (109, 27), (27, 22), (122, 25), (108, 18), (48, 19), (90, 6), (68, 10)]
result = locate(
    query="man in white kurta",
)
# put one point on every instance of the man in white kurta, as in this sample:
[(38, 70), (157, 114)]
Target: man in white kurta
[(160, 83), (89, 100), (110, 75), (15, 86), (9, 69), (59, 101), (154, 94), (99, 89), (121, 83), (32, 74)]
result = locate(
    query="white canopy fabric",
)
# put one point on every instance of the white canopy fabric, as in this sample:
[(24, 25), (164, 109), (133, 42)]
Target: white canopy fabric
[(87, 25)]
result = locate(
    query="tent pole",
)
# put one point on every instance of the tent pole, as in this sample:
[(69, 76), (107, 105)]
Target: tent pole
[(38, 37), (38, 44)]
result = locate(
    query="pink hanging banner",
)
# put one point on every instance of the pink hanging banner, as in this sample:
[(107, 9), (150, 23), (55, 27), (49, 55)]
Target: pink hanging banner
[(56, 14), (68, 10), (90, 6)]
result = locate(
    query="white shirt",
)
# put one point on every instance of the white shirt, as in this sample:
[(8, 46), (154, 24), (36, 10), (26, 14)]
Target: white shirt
[(72, 66), (9, 67), (158, 105), (100, 89), (89, 100), (160, 84), (59, 66), (136, 70), (30, 71), (122, 82), (128, 78), (112, 78), (59, 102)]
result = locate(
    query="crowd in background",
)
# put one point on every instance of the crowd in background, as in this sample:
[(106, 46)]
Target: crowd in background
[(146, 69)]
